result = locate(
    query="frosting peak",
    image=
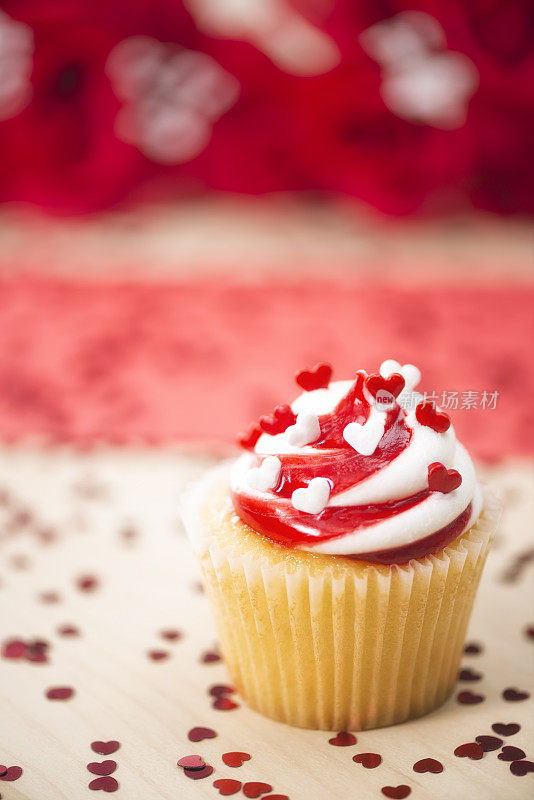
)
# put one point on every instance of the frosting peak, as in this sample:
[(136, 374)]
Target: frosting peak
[(353, 472)]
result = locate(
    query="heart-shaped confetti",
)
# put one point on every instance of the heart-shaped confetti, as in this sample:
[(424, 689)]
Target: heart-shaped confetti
[(220, 688), (191, 762), (254, 789), (426, 414), (227, 786), (210, 657), (441, 479), (158, 655), (428, 765), (11, 774), (105, 748), (103, 767), (171, 635), (471, 750), (277, 422), (235, 759), (60, 693), (316, 378), (14, 648), (392, 385), (266, 476), (472, 649), (510, 753), (198, 774), (343, 739), (521, 767), (470, 698), (313, 498), (249, 439), (368, 760), (306, 429), (514, 695), (199, 734), (106, 784), (365, 438), (223, 703), (466, 674), (396, 792), (506, 728), (410, 373), (488, 743)]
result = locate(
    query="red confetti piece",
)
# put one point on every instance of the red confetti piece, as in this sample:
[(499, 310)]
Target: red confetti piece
[(106, 784), (318, 377), (441, 479), (221, 688), (87, 583), (210, 657), (199, 734), (224, 704), (68, 630), (428, 765), (515, 695), (198, 774), (427, 414), (14, 648), (103, 767), (279, 421), (343, 739), (158, 655), (235, 759), (470, 698), (11, 774), (510, 753), (105, 748), (368, 760), (469, 750), (60, 693), (171, 635), (506, 729), (468, 674), (191, 762), (396, 792), (473, 649), (394, 384), (275, 797), (254, 789), (488, 743), (248, 440), (521, 767), (227, 786)]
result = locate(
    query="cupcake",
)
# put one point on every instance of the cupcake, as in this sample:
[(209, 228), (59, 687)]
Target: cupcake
[(342, 552)]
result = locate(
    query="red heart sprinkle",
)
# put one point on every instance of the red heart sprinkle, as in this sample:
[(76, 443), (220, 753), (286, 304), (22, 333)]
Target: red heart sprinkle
[(488, 743), (60, 693), (235, 759), (227, 786), (506, 729), (14, 648), (467, 674), (472, 649), (220, 688), (102, 768), (509, 753), (368, 760), (11, 774), (171, 635), (396, 792), (210, 657), (427, 414), (105, 748), (107, 784), (343, 739), (199, 734), (224, 704), (394, 384), (521, 767), (191, 762), (470, 698), (249, 439), (255, 788), (316, 378), (279, 421), (198, 774), (515, 695), (469, 750), (158, 655), (441, 479), (428, 765)]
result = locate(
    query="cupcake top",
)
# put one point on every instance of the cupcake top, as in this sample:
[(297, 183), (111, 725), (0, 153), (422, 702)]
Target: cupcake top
[(364, 469)]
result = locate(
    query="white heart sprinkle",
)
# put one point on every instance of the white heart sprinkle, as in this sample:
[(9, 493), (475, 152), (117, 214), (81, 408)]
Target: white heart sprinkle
[(313, 498), (266, 476), (305, 430), (410, 373), (365, 438)]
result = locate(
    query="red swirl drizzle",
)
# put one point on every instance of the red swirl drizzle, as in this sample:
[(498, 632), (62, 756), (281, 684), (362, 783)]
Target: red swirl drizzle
[(273, 515)]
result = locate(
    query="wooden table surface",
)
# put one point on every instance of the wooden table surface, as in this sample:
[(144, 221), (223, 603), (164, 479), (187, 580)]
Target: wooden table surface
[(93, 541)]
